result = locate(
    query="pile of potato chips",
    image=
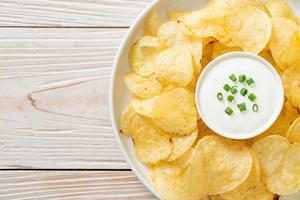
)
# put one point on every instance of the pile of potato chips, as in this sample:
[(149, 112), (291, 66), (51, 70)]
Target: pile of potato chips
[(187, 160)]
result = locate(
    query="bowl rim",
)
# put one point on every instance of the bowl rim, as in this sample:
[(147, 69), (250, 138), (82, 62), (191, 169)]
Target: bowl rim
[(116, 132)]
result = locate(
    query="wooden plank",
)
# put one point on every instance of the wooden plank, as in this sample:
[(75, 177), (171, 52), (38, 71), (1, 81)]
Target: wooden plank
[(54, 98), (75, 185), (70, 13)]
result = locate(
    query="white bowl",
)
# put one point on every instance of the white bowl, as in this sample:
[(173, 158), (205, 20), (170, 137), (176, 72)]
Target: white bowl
[(119, 95)]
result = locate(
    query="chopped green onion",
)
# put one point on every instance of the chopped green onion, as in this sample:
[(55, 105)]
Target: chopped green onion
[(228, 111), (226, 87), (230, 98), (252, 97), (233, 77), (255, 108), (242, 107), (250, 82), (220, 96), (242, 78), (234, 90), (244, 92)]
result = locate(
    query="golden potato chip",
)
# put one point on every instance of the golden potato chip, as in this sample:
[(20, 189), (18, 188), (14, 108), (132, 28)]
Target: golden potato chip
[(182, 144), (286, 180), (175, 66), (295, 99), (143, 107), (175, 187), (270, 153), (174, 167), (267, 55), (220, 49), (151, 145), (175, 112), (152, 24), (177, 14), (280, 8), (290, 112), (241, 20), (293, 133), (207, 54), (291, 79), (215, 197), (132, 121), (143, 87), (204, 130), (252, 188), (192, 85), (285, 43), (219, 165), (143, 54)]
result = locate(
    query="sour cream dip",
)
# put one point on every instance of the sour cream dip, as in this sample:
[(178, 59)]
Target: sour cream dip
[(267, 88)]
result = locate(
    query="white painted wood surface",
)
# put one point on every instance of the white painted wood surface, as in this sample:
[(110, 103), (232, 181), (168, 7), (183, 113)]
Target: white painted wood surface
[(71, 185), (55, 64)]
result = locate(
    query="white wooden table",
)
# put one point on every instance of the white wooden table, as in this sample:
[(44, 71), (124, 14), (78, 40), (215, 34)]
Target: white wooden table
[(56, 141)]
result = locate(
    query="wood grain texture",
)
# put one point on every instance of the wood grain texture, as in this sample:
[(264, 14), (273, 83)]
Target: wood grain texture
[(75, 13), (54, 98), (71, 185)]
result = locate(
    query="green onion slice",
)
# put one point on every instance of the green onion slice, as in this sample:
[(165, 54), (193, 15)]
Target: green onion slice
[(226, 87), (252, 97), (230, 98), (242, 78), (244, 92), (242, 107), (220, 96), (234, 90), (250, 82), (228, 111), (255, 108), (233, 77)]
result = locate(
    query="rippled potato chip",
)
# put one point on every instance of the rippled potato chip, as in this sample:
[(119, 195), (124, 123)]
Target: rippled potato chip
[(132, 121), (182, 144), (152, 24), (219, 165), (293, 133), (143, 87), (175, 66), (252, 188), (280, 164), (241, 20), (280, 8), (151, 145), (291, 79), (286, 180), (175, 111), (285, 43), (143, 54)]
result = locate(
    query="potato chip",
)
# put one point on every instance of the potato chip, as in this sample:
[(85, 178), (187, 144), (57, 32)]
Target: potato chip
[(177, 14), (291, 79), (285, 43), (143, 54), (295, 99), (175, 112), (192, 85), (175, 66), (152, 24), (143, 87), (267, 55), (204, 130), (175, 187), (207, 54), (220, 49), (293, 133), (290, 112), (280, 8), (286, 180), (132, 121), (182, 144), (270, 153), (174, 167), (151, 145), (252, 188), (219, 165), (241, 20), (143, 107), (215, 197)]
